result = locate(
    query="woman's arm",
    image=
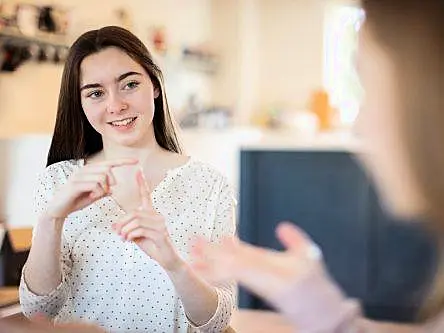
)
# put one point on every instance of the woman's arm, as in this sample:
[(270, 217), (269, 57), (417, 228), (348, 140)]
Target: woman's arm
[(210, 307), (207, 307), (199, 299), (43, 288), (42, 272)]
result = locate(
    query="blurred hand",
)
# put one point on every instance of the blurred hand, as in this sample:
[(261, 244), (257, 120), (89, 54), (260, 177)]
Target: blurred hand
[(267, 273), (89, 184), (147, 228)]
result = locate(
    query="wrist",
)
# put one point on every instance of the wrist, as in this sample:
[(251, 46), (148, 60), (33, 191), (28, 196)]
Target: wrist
[(48, 227), (55, 214), (177, 268), (49, 218)]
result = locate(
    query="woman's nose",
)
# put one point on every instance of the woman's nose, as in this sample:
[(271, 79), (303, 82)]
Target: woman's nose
[(116, 104)]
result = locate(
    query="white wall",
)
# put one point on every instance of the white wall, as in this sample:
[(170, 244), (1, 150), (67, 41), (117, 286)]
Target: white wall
[(249, 73), (21, 160), (227, 42), (272, 52), (291, 51), (28, 99)]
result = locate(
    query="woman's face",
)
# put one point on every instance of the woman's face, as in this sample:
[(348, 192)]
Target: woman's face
[(117, 97), (384, 154)]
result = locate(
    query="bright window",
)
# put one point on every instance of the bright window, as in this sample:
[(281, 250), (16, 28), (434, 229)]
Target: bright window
[(342, 23)]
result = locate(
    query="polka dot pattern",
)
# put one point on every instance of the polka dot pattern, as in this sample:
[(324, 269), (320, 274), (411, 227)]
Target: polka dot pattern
[(113, 283)]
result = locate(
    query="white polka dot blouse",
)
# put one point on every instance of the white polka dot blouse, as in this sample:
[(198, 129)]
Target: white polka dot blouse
[(113, 283)]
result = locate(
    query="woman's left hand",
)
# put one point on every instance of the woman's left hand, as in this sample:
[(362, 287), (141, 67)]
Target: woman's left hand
[(267, 273), (146, 227)]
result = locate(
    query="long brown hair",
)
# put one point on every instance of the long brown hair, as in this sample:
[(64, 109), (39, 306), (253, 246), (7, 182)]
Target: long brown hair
[(412, 34), (74, 137)]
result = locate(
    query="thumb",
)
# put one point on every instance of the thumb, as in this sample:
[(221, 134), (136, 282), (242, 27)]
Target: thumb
[(297, 241), (293, 238)]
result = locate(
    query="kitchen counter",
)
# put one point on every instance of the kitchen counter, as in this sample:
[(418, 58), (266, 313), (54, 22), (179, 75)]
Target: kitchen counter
[(258, 138), (9, 301), (286, 140)]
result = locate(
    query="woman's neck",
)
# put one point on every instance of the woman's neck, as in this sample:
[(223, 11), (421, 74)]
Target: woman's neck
[(142, 153)]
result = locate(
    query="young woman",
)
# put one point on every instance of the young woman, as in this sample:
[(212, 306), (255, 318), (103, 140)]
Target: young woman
[(119, 203), (401, 123)]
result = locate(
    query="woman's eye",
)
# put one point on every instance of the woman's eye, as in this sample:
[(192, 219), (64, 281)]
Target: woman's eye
[(131, 85), (95, 94)]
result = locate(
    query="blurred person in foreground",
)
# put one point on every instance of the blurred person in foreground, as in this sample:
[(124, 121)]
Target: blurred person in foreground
[(401, 124)]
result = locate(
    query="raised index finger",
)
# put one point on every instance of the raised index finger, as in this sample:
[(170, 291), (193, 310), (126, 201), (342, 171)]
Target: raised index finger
[(144, 190)]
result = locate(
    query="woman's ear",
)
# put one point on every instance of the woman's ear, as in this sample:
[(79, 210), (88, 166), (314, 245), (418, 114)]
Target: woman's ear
[(156, 92)]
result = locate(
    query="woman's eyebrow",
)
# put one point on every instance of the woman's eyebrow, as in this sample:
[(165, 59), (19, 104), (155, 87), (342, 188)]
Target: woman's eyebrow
[(120, 78)]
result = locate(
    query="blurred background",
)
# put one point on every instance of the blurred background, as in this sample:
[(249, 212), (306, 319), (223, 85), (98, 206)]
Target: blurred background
[(265, 91), (237, 72)]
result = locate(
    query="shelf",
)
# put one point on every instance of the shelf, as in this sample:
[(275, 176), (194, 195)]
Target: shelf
[(20, 48), (182, 60), (195, 63), (41, 38)]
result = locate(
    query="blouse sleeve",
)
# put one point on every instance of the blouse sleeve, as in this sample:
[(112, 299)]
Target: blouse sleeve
[(224, 225), (51, 303)]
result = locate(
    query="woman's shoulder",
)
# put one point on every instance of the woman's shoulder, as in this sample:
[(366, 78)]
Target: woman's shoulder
[(60, 171), (203, 169), (208, 176)]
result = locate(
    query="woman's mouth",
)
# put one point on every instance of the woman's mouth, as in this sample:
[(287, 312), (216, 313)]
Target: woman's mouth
[(123, 122)]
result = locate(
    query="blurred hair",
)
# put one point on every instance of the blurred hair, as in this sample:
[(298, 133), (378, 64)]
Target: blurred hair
[(412, 34), (74, 137)]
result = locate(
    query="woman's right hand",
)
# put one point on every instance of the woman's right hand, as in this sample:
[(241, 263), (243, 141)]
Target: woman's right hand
[(87, 185)]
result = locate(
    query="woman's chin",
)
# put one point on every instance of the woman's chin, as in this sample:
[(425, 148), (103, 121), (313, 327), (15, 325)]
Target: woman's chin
[(130, 140)]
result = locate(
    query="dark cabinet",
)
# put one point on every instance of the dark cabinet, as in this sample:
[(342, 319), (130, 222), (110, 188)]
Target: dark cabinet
[(382, 262), (14, 251)]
